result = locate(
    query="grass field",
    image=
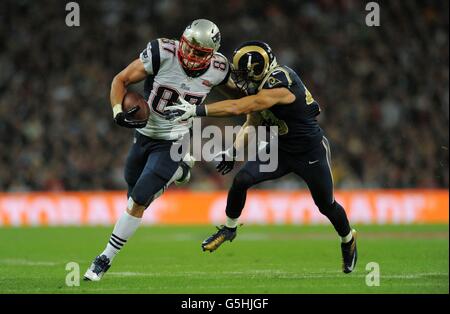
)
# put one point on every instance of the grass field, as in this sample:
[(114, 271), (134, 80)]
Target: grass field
[(262, 259)]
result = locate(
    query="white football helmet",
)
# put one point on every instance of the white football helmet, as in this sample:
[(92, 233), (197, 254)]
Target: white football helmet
[(199, 42)]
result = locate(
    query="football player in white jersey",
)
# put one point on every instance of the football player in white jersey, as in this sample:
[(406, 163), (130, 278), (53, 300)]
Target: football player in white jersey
[(189, 69)]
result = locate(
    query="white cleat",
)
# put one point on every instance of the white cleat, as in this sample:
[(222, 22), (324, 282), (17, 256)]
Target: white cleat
[(187, 164), (98, 268), (91, 276)]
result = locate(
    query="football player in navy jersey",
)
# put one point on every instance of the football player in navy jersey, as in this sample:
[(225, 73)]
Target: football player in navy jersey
[(276, 96)]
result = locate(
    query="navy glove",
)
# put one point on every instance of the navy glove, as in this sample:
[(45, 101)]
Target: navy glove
[(125, 120)]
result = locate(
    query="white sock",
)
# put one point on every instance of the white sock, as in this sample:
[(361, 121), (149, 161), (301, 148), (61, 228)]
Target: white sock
[(231, 222), (123, 230), (347, 238)]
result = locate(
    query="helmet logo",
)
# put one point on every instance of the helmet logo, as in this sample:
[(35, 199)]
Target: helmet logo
[(216, 37), (272, 81)]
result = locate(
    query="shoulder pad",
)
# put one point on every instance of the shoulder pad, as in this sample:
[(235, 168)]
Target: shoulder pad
[(220, 63), (168, 49), (151, 57), (220, 57)]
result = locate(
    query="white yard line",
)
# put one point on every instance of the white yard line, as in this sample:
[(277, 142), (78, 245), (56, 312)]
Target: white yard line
[(271, 274), (264, 273), (292, 236), (25, 262)]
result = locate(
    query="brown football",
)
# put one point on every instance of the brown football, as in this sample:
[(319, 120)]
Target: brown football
[(131, 100)]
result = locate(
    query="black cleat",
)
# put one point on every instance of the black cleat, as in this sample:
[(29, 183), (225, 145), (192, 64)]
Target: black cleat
[(223, 234), (98, 268), (349, 254)]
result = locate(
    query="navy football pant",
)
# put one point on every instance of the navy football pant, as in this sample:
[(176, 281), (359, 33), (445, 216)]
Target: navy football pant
[(314, 167), (149, 168)]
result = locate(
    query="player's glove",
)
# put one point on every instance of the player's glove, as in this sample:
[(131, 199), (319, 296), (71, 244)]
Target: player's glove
[(183, 110), (124, 119), (227, 161), (252, 89)]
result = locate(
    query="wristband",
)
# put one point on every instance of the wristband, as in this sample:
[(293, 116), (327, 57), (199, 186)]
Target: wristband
[(201, 111), (116, 109)]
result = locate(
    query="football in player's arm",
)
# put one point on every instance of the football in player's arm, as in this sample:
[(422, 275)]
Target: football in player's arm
[(133, 73)]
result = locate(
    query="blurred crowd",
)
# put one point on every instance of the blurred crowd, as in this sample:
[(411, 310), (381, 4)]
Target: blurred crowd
[(383, 90)]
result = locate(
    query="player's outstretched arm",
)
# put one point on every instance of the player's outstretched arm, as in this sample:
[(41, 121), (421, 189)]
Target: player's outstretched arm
[(133, 73), (265, 99)]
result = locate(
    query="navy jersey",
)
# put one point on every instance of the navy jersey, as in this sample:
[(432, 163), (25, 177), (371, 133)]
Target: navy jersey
[(298, 129)]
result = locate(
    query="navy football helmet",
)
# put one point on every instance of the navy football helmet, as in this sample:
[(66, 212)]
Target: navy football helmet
[(251, 62)]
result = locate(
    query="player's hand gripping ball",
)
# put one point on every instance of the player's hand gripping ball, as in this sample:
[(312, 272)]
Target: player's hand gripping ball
[(135, 111)]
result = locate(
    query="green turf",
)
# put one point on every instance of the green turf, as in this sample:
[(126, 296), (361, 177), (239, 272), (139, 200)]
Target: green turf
[(262, 259)]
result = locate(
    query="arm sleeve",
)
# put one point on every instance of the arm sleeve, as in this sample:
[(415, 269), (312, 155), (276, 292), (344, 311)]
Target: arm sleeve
[(150, 57)]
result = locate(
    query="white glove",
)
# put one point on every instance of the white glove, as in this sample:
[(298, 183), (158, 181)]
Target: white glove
[(181, 110)]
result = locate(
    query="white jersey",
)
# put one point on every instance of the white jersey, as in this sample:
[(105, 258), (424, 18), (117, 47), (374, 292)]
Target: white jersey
[(167, 80)]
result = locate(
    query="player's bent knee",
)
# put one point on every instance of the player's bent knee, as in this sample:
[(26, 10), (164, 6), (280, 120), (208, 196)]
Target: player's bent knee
[(326, 208), (141, 199), (142, 196), (243, 181), (135, 209)]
